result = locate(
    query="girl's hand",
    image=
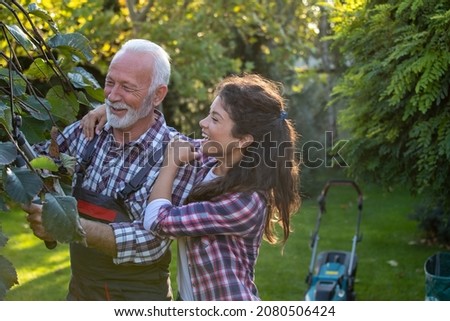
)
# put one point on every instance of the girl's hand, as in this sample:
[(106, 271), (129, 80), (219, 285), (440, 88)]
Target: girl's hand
[(93, 121), (179, 152)]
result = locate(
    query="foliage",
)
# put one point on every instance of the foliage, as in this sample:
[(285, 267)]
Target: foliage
[(206, 40), (396, 90), (209, 40), (53, 60), (433, 220), (8, 275)]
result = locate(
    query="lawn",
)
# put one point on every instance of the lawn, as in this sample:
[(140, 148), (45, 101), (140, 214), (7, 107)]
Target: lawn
[(391, 254)]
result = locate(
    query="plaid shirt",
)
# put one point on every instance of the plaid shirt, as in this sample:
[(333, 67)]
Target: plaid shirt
[(223, 241), (112, 166)]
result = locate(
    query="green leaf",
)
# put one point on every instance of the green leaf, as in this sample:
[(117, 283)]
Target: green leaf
[(72, 43), (19, 85), (35, 130), (68, 162), (34, 9), (82, 99), (88, 77), (21, 37), (21, 184), (8, 276), (44, 162), (64, 105), (60, 218), (37, 107), (40, 70), (8, 153), (97, 94), (76, 80)]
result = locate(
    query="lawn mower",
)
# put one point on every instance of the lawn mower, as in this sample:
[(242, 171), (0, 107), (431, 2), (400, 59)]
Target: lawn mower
[(332, 276)]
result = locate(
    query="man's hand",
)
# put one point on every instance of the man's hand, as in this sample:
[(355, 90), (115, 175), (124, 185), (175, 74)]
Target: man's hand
[(34, 218), (93, 121)]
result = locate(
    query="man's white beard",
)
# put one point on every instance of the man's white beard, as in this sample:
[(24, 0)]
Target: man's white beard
[(130, 118)]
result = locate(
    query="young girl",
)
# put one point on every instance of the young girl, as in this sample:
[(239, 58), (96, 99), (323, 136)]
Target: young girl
[(248, 182)]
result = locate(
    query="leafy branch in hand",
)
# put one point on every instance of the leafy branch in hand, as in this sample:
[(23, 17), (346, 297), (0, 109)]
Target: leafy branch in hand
[(42, 85)]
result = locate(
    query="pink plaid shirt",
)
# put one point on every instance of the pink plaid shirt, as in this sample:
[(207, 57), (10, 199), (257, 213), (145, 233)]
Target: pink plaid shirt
[(224, 237)]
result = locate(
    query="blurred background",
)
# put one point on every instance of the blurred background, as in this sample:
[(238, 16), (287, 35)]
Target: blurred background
[(366, 81)]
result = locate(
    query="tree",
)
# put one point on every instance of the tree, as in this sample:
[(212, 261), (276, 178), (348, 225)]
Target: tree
[(206, 40), (396, 92), (47, 88)]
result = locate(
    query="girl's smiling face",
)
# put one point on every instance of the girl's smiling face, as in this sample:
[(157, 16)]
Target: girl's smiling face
[(217, 131)]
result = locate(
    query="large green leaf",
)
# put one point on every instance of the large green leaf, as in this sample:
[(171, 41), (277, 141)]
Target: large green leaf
[(72, 43), (60, 218), (97, 94), (44, 162), (35, 130), (89, 79), (64, 105), (21, 184), (40, 70), (37, 107), (77, 80), (21, 37), (8, 276), (8, 153)]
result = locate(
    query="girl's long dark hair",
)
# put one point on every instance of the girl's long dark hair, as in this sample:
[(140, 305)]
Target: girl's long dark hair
[(269, 165)]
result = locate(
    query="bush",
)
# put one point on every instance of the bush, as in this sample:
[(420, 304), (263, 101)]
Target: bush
[(434, 221)]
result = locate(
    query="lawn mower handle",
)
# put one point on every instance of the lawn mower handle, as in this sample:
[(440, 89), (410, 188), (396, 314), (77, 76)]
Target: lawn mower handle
[(321, 198), (321, 201)]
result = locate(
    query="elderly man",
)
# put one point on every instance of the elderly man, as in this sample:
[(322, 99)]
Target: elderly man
[(113, 181)]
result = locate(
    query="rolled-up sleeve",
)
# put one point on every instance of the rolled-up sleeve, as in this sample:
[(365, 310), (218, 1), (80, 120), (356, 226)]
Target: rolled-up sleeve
[(151, 212), (135, 244)]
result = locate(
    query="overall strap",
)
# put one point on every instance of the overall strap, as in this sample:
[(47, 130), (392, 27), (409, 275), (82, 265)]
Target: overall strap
[(136, 182), (86, 160)]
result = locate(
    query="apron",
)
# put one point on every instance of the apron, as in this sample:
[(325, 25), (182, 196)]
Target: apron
[(94, 274)]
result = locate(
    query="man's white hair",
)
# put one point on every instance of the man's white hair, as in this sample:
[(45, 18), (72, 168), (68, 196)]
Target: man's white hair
[(161, 62)]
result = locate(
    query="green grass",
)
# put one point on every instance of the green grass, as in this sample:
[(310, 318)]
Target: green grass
[(391, 255)]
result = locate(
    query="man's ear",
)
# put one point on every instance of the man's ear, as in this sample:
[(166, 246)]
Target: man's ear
[(160, 94), (245, 141)]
